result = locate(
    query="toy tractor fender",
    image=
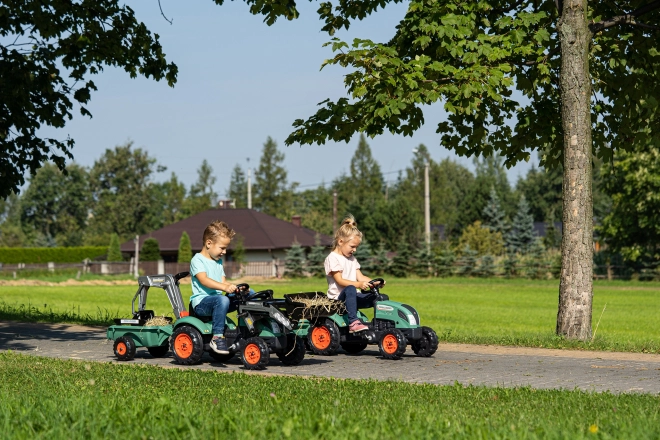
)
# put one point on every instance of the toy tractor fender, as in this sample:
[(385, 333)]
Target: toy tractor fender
[(403, 315), (203, 327), (342, 320)]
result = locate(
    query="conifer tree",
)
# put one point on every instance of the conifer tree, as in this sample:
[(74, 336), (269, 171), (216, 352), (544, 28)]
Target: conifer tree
[(114, 250), (536, 266), (423, 261), (363, 256), (486, 267), (238, 251), (381, 262), (444, 262), (467, 262), (238, 187), (150, 250), (400, 266), (316, 258), (521, 236), (511, 265), (294, 262), (185, 249), (494, 215)]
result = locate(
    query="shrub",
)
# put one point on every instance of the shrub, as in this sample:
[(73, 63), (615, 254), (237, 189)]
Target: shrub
[(294, 263), (114, 249), (400, 266), (150, 250), (185, 249), (316, 258), (467, 262), (481, 239), (54, 254)]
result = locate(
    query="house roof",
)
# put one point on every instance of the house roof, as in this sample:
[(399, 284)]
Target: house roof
[(259, 231)]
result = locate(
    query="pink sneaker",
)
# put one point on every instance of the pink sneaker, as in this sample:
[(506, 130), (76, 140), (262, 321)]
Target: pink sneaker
[(356, 326)]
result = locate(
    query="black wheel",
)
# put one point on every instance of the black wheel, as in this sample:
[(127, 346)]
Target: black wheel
[(159, 352), (221, 357), (294, 352), (255, 353), (323, 338), (353, 347), (427, 345), (187, 345), (124, 348), (392, 344)]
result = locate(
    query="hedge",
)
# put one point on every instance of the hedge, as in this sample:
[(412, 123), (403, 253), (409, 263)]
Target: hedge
[(52, 254)]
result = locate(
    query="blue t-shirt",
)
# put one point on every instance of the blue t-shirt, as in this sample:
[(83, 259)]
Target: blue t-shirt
[(213, 269)]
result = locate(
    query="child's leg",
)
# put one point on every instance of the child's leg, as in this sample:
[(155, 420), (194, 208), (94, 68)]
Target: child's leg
[(364, 300), (220, 307), (349, 296)]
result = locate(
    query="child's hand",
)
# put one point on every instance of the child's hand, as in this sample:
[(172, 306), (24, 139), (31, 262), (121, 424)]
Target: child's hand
[(366, 286), (231, 288)]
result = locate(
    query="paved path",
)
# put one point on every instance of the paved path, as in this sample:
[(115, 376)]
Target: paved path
[(466, 364)]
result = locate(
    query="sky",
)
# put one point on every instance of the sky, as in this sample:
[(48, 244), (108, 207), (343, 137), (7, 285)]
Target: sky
[(239, 82)]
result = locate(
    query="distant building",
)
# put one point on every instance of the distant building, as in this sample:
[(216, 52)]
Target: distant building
[(264, 237)]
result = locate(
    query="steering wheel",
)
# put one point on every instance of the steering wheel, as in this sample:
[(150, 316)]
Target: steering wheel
[(242, 289), (377, 283)]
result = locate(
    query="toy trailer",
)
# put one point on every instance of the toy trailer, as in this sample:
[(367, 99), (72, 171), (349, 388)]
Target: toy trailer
[(131, 333)]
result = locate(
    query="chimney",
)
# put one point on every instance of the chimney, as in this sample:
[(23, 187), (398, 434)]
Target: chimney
[(226, 204), (295, 219)]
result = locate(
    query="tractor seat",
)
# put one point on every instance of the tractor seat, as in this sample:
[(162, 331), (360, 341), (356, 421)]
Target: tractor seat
[(191, 312)]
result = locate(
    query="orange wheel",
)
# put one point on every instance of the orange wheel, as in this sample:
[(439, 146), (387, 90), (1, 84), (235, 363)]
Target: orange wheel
[(252, 354), (183, 345), (390, 344), (121, 348), (321, 337)]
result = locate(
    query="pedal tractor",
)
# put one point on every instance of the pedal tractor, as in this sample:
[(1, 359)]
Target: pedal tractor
[(261, 328), (394, 326)]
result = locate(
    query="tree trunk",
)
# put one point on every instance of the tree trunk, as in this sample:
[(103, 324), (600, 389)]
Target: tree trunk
[(576, 284)]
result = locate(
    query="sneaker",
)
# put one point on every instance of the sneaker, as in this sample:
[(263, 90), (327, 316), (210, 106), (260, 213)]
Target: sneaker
[(219, 345), (357, 326)]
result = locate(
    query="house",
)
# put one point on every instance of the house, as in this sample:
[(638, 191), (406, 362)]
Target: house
[(265, 238)]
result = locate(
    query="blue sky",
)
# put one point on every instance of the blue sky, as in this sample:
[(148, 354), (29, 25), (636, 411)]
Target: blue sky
[(239, 82)]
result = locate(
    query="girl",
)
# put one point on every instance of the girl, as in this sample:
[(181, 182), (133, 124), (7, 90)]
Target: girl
[(343, 273)]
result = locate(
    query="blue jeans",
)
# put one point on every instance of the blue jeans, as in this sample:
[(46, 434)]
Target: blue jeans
[(355, 300), (216, 306)]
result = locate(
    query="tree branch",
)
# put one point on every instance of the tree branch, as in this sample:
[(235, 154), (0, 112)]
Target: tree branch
[(163, 14), (509, 9), (627, 18), (545, 58)]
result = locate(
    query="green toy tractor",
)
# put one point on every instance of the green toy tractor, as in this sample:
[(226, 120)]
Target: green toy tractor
[(393, 327), (261, 328)]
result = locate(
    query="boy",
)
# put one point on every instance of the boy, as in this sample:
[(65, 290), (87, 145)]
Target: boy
[(208, 280)]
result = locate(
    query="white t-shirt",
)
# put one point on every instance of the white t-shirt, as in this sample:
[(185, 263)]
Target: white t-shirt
[(338, 263)]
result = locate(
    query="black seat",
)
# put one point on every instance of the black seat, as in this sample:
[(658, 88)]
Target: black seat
[(191, 312)]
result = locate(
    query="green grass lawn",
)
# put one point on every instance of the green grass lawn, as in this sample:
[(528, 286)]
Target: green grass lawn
[(54, 399), (482, 311)]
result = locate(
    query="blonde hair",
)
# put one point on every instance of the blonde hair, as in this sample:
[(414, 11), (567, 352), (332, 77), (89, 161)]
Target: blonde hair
[(346, 231), (217, 229)]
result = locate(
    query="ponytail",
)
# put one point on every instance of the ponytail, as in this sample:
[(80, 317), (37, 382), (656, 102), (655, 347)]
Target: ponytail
[(346, 231)]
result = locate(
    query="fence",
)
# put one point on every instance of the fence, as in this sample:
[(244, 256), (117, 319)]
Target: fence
[(266, 269)]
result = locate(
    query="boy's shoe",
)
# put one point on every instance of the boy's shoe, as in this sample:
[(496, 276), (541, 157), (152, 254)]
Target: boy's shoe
[(219, 345), (357, 326)]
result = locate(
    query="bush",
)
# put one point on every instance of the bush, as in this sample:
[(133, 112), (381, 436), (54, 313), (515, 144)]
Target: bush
[(294, 263), (185, 249), (114, 250), (150, 250), (400, 266), (467, 262), (316, 258), (51, 254), (444, 262)]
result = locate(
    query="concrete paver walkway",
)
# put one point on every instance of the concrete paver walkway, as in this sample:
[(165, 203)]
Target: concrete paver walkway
[(466, 364)]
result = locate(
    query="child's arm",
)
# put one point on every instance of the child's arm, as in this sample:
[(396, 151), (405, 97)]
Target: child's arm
[(213, 284), (360, 284)]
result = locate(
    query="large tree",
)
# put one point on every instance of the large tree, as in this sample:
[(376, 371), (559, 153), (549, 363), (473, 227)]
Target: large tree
[(473, 56), (123, 194), (367, 182), (48, 51), (202, 196), (271, 192), (56, 205)]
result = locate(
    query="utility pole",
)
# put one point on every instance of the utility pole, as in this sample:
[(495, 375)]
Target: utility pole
[(136, 240), (334, 211), (427, 206), (249, 186)]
